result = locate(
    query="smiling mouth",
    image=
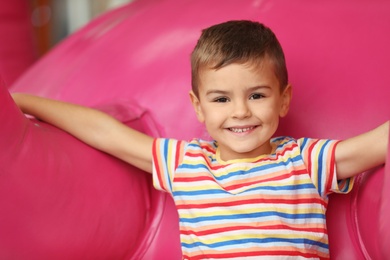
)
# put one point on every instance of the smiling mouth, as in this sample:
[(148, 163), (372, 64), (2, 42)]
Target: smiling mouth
[(241, 130)]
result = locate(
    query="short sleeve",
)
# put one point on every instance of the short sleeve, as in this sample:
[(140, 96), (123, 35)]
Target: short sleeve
[(319, 158), (167, 155)]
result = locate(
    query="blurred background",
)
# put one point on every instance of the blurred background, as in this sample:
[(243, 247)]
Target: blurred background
[(30, 28)]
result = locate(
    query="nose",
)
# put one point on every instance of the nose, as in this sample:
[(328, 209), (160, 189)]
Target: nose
[(241, 110)]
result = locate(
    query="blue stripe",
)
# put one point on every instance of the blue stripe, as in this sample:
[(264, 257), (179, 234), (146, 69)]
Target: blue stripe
[(258, 241), (303, 144), (347, 184), (321, 166), (254, 215), (193, 166), (199, 192), (165, 161), (218, 191)]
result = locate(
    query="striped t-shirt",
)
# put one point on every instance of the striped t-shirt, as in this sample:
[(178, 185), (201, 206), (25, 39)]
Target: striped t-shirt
[(271, 207)]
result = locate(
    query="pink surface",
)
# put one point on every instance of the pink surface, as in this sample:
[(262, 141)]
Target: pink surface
[(63, 200)]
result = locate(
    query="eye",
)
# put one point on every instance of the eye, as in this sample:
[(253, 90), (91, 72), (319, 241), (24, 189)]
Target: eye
[(257, 96), (221, 100)]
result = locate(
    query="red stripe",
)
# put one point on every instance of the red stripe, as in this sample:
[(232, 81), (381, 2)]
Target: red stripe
[(233, 228), (178, 154), (207, 178), (332, 168), (309, 152), (156, 162), (242, 254), (194, 179), (276, 178), (241, 185), (207, 147), (285, 149), (252, 201)]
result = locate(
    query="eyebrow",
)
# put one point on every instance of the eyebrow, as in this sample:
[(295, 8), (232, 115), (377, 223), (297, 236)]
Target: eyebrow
[(223, 92)]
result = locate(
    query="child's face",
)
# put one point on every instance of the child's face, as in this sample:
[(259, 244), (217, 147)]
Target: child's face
[(240, 106)]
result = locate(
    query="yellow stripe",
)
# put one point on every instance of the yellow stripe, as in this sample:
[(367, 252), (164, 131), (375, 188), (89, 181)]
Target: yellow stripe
[(250, 197), (256, 249), (253, 224), (213, 185), (230, 211), (224, 238)]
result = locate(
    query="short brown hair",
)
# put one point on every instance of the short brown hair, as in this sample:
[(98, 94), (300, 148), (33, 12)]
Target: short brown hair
[(239, 41)]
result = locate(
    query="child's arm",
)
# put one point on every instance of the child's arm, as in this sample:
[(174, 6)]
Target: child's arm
[(93, 127), (363, 152)]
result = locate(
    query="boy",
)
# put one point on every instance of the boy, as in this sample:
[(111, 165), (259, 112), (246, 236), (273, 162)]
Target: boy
[(244, 194)]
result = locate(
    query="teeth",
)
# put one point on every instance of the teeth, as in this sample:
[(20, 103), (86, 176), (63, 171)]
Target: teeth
[(240, 130)]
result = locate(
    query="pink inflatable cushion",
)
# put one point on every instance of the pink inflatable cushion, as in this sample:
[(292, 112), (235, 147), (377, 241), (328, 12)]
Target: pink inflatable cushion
[(363, 215), (337, 55), (384, 208), (51, 209)]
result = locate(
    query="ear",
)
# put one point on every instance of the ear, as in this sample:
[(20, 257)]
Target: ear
[(286, 100), (196, 104)]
